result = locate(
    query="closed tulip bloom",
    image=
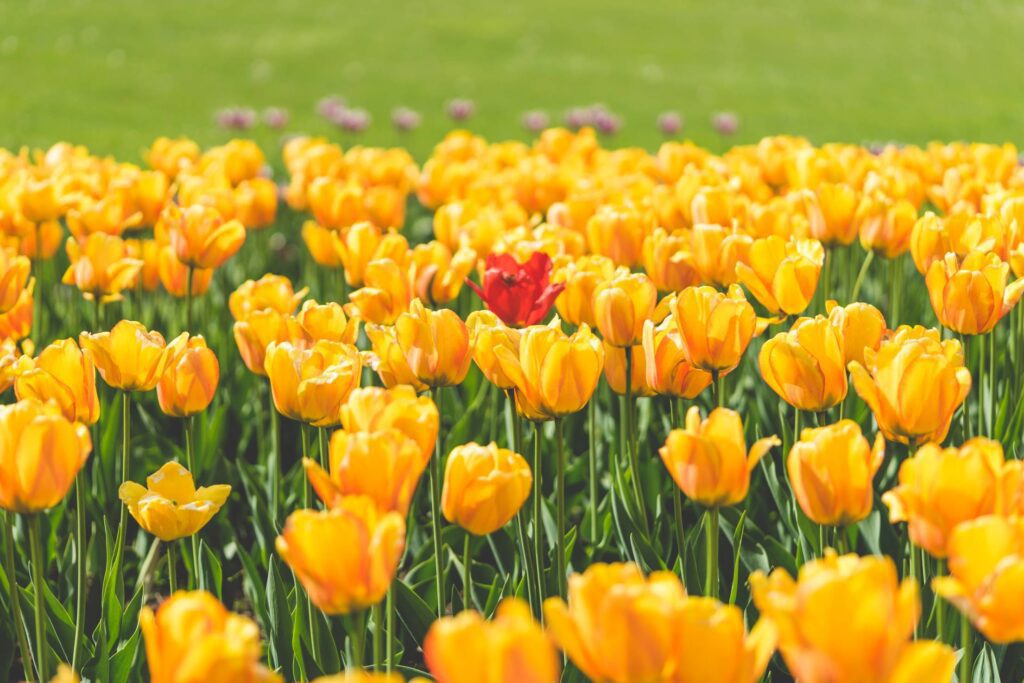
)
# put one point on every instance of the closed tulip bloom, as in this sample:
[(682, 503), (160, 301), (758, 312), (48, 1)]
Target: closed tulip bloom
[(172, 155), (512, 648), (40, 200), (270, 291), (581, 277), (311, 384), (709, 460), (373, 409), (716, 327), (668, 262), (110, 214), (554, 374), (837, 204), (254, 334), (861, 326), (929, 241), (200, 236), (14, 274), (971, 295), (170, 506), (13, 364), (782, 275), (618, 232), (16, 324), (320, 242), (622, 305), (191, 638), (618, 625), (387, 294), (712, 644), (1010, 493), (436, 344), (832, 469), (173, 275), (363, 243), (986, 566), (62, 373), (942, 487), (488, 332), (388, 360), (615, 370), (327, 321), (100, 267), (130, 357), (345, 557), (806, 366), (190, 380), (40, 455), (383, 465), (913, 385), (484, 487), (885, 225), (256, 202), (147, 251), (669, 371), (437, 273), (716, 251), (849, 619)]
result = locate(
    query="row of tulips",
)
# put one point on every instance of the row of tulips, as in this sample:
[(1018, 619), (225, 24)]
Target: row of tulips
[(349, 565)]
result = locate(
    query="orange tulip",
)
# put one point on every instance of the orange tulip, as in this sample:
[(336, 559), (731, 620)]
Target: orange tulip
[(361, 244), (63, 374), (147, 251), (622, 305), (581, 277), (484, 487), (487, 332), (782, 275), (100, 267), (320, 243), (16, 323), (257, 331), (436, 344), (618, 232), (130, 357), (438, 274), (669, 371), (270, 291), (388, 360), (861, 326), (615, 370), (200, 237), (174, 275), (716, 328), (190, 380), (373, 409), (717, 251), (172, 156), (14, 275), (806, 366), (256, 202), (971, 295), (170, 506), (310, 385), (668, 262), (386, 295), (885, 225), (366, 546), (327, 321), (13, 364)]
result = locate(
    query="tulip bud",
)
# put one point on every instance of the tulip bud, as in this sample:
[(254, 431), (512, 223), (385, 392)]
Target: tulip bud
[(270, 291), (190, 380), (310, 385), (484, 487), (669, 371), (62, 373), (782, 275), (200, 236), (130, 357), (716, 328), (806, 366), (436, 345), (581, 277), (622, 305), (971, 295)]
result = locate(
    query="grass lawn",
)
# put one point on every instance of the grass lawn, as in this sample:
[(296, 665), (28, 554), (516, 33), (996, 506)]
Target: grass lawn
[(112, 74)]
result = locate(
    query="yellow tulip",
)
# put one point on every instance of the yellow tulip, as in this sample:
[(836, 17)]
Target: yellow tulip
[(709, 460), (1010, 494), (149, 252), (806, 366), (849, 619), (65, 674), (942, 487), (320, 242), (712, 644), (382, 465), (345, 557), (622, 305), (668, 262), (173, 275), (386, 295), (836, 204), (130, 357), (363, 243), (256, 202), (14, 275), (715, 327), (388, 360), (488, 332), (110, 215), (200, 236), (618, 625), (986, 566), (669, 371), (554, 374), (62, 373), (40, 200), (13, 364), (361, 676), (436, 344), (971, 295), (832, 469), (717, 251), (172, 155), (438, 274), (190, 380), (615, 370), (373, 409), (327, 322), (100, 267), (581, 277), (170, 506), (484, 487), (782, 275), (913, 384), (310, 385), (16, 323), (40, 455), (861, 326), (260, 329), (885, 224), (512, 648), (618, 232), (192, 637), (270, 291)]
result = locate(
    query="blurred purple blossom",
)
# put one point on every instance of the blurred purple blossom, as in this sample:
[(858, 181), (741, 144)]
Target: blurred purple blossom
[(606, 122), (725, 122), (577, 118), (330, 107), (405, 119), (236, 118), (535, 120), (460, 109), (275, 117), (670, 123), (354, 120)]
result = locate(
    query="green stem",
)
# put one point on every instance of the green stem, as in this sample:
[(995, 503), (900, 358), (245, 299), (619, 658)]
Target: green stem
[(42, 649), (915, 571), (967, 643), (356, 633), (80, 544), (190, 457), (677, 499), (126, 444), (560, 505), (188, 299), (537, 525), (378, 633), (980, 344), (273, 459), (314, 636), (321, 436), (940, 606), (861, 274), (821, 540), (718, 379), (15, 594), (632, 449), (826, 278), (390, 607), (435, 505), (711, 536), (592, 460), (468, 599), (172, 567)]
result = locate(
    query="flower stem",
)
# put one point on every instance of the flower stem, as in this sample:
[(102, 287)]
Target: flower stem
[(469, 602), (560, 506), (273, 460), (188, 299), (967, 643), (631, 446), (592, 453), (861, 274), (314, 636), (435, 505), (190, 458), (711, 535), (390, 607), (172, 567), (15, 594), (80, 543), (537, 526), (42, 649), (356, 627), (126, 444), (378, 633)]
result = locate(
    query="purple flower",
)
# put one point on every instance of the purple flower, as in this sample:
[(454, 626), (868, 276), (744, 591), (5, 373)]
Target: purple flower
[(275, 117), (606, 122), (236, 118), (670, 123), (577, 118), (460, 109), (725, 122), (405, 119), (329, 107), (354, 120), (535, 120)]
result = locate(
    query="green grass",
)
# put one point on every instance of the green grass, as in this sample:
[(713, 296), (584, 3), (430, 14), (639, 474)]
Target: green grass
[(113, 74)]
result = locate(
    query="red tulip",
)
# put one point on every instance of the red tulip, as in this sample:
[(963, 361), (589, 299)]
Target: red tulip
[(520, 294)]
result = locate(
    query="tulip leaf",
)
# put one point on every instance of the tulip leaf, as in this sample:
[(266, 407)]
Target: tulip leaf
[(209, 564), (737, 545), (278, 614), (123, 661), (413, 611)]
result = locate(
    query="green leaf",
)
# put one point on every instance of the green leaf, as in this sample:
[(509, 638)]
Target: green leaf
[(412, 610), (210, 565), (123, 661)]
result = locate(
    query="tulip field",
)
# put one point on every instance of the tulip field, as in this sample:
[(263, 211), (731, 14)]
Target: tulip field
[(516, 412)]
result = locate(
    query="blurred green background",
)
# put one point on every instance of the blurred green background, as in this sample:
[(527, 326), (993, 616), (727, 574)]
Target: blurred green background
[(112, 74)]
